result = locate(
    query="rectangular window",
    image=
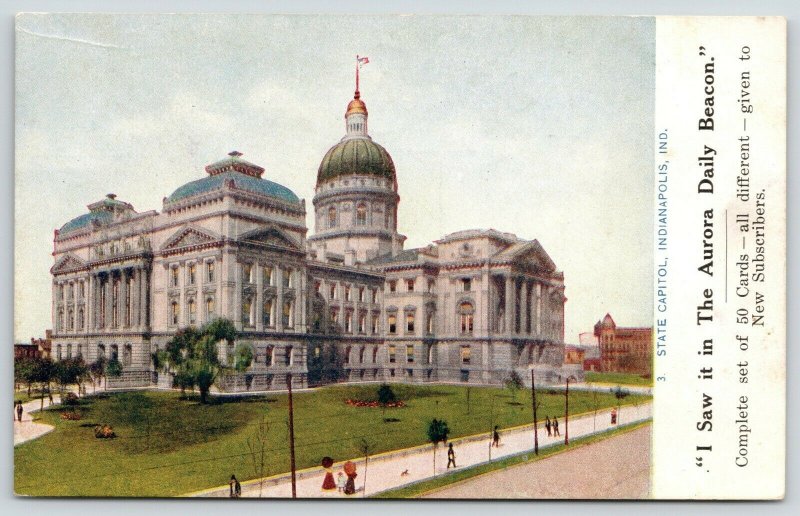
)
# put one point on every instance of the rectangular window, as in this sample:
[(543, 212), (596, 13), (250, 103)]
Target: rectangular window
[(210, 272), (362, 323), (210, 308), (466, 283), (392, 323), (410, 322), (192, 273), (410, 285), (246, 307), (175, 276), (410, 353), (392, 354), (431, 285), (347, 293), (289, 357), (393, 286), (374, 324), (247, 273), (348, 322), (360, 294), (375, 295), (466, 354), (267, 315), (332, 292), (287, 314), (268, 276), (287, 278), (192, 312), (430, 324)]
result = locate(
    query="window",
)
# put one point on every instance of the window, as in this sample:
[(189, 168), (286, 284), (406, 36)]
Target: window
[(80, 318), (192, 273), (192, 312), (361, 294), (465, 375), (375, 354), (362, 323), (347, 351), (332, 217), (267, 315), (114, 352), (374, 323), (466, 284), (287, 278), (348, 322), (410, 322), (175, 276), (174, 313), (410, 285), (466, 354), (287, 314), (318, 288), (361, 215), (347, 296), (393, 286), (392, 322), (69, 319), (392, 354), (127, 355), (332, 292), (247, 273), (101, 351), (375, 295), (81, 290), (334, 316), (430, 354), (247, 306), (289, 355), (210, 308), (210, 272), (410, 353), (409, 373), (269, 356), (58, 352), (429, 324), (69, 350), (431, 285), (466, 316)]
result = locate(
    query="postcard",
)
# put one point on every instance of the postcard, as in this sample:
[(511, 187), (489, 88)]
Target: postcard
[(358, 257)]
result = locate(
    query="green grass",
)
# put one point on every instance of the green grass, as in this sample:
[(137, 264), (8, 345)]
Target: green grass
[(426, 486), (168, 446), (619, 378)]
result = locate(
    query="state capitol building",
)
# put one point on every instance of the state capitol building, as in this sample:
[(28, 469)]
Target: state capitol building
[(346, 303)]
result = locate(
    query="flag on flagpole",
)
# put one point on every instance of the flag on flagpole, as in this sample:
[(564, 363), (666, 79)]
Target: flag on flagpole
[(363, 60)]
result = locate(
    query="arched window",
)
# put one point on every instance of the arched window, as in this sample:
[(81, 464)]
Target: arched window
[(410, 322), (69, 319), (247, 307), (429, 324), (127, 355), (287, 314), (174, 312), (58, 352), (192, 311), (267, 316), (209, 308), (114, 352), (101, 351), (392, 322), (332, 217), (80, 318), (270, 356), (466, 313), (361, 354), (375, 354), (361, 215), (347, 351), (289, 355), (69, 350)]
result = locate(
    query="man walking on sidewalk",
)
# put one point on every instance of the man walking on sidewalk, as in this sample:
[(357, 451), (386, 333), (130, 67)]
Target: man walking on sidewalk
[(547, 426), (451, 456), (555, 427), (19, 411)]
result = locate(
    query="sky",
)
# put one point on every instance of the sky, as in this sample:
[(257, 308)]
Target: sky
[(542, 127)]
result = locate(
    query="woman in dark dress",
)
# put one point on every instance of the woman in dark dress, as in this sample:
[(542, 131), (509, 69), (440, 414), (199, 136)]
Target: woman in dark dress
[(350, 471), (329, 484)]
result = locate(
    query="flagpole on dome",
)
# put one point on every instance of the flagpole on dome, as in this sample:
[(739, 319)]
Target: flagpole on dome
[(358, 61)]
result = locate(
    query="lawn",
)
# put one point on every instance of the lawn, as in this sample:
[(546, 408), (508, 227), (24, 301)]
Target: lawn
[(619, 378), (168, 446)]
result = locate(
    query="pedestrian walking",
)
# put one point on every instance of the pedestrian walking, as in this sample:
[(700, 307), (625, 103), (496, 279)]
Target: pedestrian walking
[(328, 484), (340, 481), (613, 416), (451, 456), (19, 412), (350, 471), (548, 426), (555, 427), (496, 437), (235, 487)]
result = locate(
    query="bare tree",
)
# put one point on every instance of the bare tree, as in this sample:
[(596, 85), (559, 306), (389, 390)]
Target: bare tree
[(365, 447), (257, 445)]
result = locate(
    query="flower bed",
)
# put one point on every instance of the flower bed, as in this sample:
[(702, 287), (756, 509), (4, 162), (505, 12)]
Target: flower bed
[(104, 432), (71, 415), (362, 403)]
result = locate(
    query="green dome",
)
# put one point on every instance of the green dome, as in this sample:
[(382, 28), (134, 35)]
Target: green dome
[(245, 182), (356, 156)]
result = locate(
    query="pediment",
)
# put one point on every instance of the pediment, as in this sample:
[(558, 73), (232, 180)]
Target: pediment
[(67, 263), (269, 236), (189, 236), (532, 256)]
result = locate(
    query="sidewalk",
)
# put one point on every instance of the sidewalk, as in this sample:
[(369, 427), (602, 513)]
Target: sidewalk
[(398, 468), (27, 429)]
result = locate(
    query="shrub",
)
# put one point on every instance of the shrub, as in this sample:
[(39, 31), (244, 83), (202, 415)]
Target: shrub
[(71, 415), (70, 399), (104, 432), (386, 395)]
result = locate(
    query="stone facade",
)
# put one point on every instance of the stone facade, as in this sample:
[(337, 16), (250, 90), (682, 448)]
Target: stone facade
[(346, 304)]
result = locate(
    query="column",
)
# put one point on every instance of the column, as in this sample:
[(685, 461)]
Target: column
[(259, 297), (123, 295), (144, 312), (54, 307), (340, 296), (509, 310), (75, 306), (525, 312), (89, 304), (237, 295), (279, 301), (540, 288), (135, 295), (356, 307), (109, 291), (302, 300)]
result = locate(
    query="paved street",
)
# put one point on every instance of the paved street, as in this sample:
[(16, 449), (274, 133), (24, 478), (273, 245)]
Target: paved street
[(395, 469), (618, 467)]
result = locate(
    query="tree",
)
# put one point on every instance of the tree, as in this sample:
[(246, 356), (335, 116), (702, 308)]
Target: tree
[(257, 445), (97, 371), (437, 433), (385, 396), (43, 371), (68, 372), (114, 368), (24, 372), (366, 447), (514, 384), (192, 354), (242, 357)]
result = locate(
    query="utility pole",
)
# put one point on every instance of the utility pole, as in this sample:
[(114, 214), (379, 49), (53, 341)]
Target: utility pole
[(291, 435), (566, 416), (535, 422), (491, 432)]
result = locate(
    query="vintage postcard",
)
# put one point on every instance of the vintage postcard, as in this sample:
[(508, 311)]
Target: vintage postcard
[(353, 257)]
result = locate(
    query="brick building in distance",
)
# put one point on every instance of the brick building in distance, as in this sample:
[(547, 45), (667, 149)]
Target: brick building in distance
[(624, 350)]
